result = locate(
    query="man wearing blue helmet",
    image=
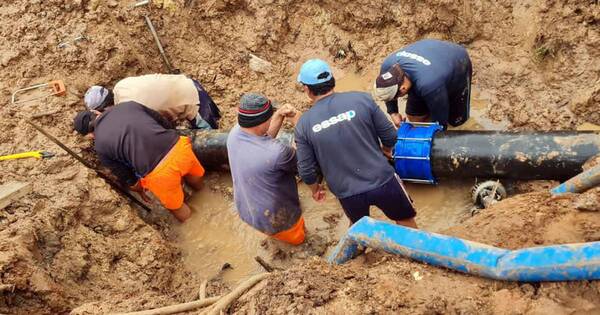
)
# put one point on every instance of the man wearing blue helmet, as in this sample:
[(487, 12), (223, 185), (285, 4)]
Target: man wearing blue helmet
[(341, 138)]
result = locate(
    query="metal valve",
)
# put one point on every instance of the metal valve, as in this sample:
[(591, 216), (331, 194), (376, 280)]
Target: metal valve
[(487, 193)]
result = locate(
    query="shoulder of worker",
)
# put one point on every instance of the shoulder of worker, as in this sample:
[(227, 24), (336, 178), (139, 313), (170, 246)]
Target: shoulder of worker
[(355, 95), (434, 47), (339, 103), (236, 139), (129, 108), (354, 99), (302, 122), (426, 55), (154, 78)]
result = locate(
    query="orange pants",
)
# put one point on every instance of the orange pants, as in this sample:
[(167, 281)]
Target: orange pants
[(294, 235), (165, 179)]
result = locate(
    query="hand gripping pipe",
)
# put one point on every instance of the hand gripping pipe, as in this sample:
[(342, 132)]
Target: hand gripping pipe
[(549, 263)]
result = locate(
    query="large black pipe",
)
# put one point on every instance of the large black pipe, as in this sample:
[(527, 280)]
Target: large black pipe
[(466, 154), (211, 146), (517, 155)]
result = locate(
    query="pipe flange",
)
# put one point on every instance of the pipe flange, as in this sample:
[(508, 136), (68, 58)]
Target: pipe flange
[(487, 193)]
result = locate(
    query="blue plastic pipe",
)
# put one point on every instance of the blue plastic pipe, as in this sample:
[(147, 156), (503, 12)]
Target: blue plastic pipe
[(548, 263), (579, 183)]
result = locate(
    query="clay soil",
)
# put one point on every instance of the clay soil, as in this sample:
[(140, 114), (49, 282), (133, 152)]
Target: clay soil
[(74, 245)]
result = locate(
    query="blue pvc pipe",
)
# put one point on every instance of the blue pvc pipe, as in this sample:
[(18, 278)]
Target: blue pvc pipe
[(579, 183), (548, 263)]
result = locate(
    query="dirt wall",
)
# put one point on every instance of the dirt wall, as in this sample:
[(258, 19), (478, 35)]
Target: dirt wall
[(74, 241)]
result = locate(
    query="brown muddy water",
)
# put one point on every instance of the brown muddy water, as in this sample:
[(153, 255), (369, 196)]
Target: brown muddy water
[(215, 235)]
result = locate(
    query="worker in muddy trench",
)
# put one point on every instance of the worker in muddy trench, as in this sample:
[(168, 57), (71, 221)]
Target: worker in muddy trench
[(263, 170), (176, 97), (436, 76), (144, 152), (339, 137)]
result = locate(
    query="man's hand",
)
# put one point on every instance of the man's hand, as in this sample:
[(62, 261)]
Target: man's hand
[(286, 111), (397, 119), (318, 192), (140, 190)]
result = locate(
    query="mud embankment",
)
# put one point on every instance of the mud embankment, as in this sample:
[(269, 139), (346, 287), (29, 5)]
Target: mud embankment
[(73, 242)]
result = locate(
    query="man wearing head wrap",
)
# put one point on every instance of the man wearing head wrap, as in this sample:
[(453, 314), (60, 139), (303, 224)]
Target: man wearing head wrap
[(435, 74), (263, 170), (176, 97), (342, 137), (142, 150)]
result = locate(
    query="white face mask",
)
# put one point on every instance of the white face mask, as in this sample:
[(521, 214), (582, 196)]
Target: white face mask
[(385, 94)]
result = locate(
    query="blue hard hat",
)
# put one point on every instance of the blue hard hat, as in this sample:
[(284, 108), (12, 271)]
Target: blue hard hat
[(314, 71)]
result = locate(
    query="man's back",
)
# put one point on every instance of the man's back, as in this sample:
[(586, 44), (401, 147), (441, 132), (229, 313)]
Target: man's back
[(264, 184), (131, 134), (430, 64), (160, 92), (340, 135)]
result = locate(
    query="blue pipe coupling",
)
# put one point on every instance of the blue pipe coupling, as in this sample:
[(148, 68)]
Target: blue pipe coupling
[(412, 153), (548, 263)]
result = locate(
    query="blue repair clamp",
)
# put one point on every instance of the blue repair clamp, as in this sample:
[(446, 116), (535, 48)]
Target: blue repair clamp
[(412, 151)]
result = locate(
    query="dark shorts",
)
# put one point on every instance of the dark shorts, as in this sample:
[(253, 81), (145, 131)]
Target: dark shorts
[(391, 198), (460, 103)]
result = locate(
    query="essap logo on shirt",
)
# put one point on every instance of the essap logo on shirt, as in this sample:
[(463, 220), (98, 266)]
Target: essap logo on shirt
[(416, 57), (346, 116)]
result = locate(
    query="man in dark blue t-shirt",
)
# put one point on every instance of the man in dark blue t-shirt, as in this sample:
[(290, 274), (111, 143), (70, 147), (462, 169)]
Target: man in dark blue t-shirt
[(435, 74), (342, 137)]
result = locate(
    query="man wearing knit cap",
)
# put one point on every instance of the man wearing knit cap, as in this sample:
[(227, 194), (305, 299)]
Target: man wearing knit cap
[(435, 74), (176, 97), (142, 150), (342, 137), (263, 170)]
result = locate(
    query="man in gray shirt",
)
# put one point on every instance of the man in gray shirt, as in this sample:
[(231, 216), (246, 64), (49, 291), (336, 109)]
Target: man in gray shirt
[(263, 170), (342, 137)]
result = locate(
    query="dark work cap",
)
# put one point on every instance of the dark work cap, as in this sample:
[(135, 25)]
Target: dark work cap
[(82, 123), (387, 83)]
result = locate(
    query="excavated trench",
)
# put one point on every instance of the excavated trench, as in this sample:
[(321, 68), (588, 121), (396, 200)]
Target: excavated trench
[(73, 245), (215, 236)]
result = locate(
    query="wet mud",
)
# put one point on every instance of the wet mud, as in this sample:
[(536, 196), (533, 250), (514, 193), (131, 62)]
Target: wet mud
[(73, 245)]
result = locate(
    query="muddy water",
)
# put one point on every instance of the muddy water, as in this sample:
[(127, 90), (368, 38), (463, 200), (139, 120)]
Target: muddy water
[(215, 235)]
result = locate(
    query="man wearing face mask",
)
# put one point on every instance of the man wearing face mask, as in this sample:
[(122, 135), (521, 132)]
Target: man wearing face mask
[(436, 76)]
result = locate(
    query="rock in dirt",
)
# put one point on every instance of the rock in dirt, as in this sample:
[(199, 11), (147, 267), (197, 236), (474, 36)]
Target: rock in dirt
[(7, 56), (585, 103), (592, 162), (260, 65), (588, 201)]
